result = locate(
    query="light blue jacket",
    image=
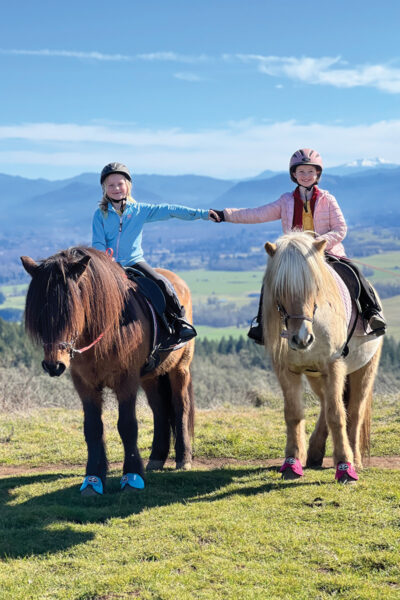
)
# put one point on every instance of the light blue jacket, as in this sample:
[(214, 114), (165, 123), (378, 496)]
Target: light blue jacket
[(123, 234)]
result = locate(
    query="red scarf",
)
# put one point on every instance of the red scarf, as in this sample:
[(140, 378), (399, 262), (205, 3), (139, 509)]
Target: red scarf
[(298, 207)]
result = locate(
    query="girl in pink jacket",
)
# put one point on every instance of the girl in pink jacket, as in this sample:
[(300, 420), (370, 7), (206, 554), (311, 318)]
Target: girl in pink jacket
[(309, 208)]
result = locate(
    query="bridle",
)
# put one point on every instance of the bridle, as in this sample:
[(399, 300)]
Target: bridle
[(70, 346), (285, 316)]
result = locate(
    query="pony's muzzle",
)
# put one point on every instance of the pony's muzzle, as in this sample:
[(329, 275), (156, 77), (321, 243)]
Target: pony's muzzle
[(301, 343), (53, 369)]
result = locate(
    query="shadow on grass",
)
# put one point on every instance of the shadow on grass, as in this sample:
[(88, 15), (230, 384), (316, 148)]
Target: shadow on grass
[(52, 521)]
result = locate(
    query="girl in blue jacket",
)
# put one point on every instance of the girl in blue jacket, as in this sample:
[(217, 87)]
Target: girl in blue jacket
[(118, 225)]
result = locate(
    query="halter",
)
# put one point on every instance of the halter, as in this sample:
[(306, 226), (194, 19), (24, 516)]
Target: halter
[(285, 316), (70, 346)]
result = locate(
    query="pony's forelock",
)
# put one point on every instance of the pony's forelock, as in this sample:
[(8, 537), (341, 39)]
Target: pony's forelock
[(61, 307), (297, 269)]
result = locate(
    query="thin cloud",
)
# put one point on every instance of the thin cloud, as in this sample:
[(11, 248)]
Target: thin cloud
[(172, 57), (100, 56), (240, 149), (69, 54), (190, 77), (327, 71)]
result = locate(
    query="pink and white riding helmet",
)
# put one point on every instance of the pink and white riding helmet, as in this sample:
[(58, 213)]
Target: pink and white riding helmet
[(305, 156)]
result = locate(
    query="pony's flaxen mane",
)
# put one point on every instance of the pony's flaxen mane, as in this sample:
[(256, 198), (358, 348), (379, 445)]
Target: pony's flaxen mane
[(63, 301), (296, 271)]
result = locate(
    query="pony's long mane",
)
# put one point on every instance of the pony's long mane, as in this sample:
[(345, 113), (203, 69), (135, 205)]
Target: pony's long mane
[(61, 304), (297, 270)]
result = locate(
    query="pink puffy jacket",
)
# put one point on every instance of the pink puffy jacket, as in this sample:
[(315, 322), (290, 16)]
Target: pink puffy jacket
[(329, 221)]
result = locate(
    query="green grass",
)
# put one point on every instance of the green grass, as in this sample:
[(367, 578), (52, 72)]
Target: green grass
[(227, 530), (386, 260), (16, 289), (15, 296), (235, 286), (392, 315), (216, 333)]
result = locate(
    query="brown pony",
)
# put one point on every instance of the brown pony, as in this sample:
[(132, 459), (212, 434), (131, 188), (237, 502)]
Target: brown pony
[(305, 330), (89, 316)]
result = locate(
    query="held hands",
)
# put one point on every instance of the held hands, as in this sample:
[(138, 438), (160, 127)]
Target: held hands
[(216, 215)]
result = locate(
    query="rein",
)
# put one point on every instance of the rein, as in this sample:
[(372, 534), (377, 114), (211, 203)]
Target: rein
[(285, 316)]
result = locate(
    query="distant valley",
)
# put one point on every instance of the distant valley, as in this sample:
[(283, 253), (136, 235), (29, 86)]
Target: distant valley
[(41, 216)]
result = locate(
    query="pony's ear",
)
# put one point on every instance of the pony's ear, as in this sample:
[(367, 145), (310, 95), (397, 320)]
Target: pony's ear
[(270, 248), (319, 245), (77, 269), (29, 265)]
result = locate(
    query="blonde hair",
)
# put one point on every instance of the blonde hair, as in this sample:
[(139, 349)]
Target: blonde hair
[(103, 204)]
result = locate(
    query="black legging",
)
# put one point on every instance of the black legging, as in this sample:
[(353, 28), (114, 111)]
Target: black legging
[(173, 305)]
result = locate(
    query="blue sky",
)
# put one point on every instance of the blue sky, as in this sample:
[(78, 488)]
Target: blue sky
[(226, 88)]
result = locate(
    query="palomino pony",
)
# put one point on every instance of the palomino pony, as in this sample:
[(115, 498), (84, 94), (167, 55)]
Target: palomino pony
[(89, 316), (305, 330)]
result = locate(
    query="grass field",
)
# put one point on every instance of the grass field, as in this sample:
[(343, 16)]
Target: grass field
[(239, 286), (229, 529), (387, 261)]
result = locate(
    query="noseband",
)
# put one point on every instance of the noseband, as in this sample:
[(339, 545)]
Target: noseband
[(285, 316)]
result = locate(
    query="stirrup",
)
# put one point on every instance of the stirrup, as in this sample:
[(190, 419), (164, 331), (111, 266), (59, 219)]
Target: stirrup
[(377, 324), (255, 332), (185, 328)]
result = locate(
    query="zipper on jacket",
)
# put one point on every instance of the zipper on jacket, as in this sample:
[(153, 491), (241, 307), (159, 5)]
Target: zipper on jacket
[(119, 236)]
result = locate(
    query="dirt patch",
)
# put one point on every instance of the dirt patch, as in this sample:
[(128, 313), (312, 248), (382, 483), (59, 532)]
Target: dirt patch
[(380, 462)]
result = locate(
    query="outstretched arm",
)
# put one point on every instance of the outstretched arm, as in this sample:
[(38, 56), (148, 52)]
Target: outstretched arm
[(163, 212), (261, 214)]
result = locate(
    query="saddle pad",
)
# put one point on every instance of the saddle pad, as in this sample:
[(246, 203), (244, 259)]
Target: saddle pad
[(350, 307)]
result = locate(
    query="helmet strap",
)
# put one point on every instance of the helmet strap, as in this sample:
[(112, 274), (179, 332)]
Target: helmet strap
[(310, 187), (121, 203)]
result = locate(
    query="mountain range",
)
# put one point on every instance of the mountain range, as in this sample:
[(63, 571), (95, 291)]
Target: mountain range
[(367, 190)]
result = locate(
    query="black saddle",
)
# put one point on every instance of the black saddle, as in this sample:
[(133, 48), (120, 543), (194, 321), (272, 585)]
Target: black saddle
[(163, 338), (151, 291), (349, 276)]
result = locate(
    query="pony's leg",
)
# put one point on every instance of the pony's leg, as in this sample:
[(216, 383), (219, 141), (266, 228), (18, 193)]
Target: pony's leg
[(317, 443), (292, 388), (361, 384), (336, 413), (183, 403), (96, 466), (158, 392), (128, 428)]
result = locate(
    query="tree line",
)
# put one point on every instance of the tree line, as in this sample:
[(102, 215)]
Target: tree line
[(16, 349)]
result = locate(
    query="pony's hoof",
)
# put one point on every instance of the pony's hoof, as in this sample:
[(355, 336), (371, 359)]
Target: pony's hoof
[(346, 473), (132, 481), (91, 486), (288, 475), (155, 465), (184, 466), (314, 463), (291, 469)]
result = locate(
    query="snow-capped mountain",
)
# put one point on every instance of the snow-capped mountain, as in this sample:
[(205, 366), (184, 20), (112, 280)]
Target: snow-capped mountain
[(361, 165)]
